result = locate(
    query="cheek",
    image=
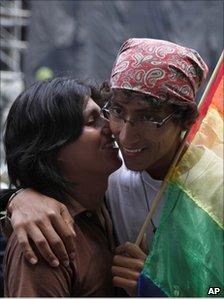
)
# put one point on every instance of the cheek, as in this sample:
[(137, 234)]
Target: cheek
[(169, 139), (115, 129), (163, 145), (67, 152), (90, 140), (67, 159), (163, 140), (89, 145)]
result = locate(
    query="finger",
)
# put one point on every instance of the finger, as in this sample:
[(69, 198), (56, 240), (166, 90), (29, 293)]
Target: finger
[(25, 246), (67, 236), (128, 262), (129, 285), (125, 273), (55, 242), (42, 245), (131, 249), (67, 218)]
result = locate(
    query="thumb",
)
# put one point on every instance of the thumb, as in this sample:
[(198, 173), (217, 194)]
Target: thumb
[(143, 245), (67, 217)]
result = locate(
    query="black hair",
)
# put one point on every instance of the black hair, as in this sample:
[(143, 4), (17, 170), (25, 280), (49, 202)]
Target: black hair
[(186, 112), (42, 119)]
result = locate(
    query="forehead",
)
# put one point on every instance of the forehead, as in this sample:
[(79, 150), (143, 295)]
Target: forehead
[(137, 101)]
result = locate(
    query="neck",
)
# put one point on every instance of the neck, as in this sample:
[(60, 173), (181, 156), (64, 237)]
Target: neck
[(159, 170), (89, 191)]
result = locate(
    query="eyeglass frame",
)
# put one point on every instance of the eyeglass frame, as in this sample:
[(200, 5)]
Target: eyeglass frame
[(158, 124)]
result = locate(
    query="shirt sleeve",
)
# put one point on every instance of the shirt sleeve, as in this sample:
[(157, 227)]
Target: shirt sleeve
[(23, 279)]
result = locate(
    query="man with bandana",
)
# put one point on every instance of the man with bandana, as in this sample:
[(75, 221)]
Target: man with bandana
[(151, 102), (153, 84)]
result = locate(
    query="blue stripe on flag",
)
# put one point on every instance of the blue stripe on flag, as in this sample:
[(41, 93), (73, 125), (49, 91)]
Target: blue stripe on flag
[(146, 288)]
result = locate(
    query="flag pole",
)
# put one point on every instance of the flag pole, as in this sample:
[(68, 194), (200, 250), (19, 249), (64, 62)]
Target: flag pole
[(212, 78), (159, 194)]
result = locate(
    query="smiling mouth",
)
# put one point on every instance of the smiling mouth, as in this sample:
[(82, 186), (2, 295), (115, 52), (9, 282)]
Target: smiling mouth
[(133, 151)]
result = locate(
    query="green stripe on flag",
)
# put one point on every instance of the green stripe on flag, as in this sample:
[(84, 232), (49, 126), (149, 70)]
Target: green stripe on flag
[(187, 253)]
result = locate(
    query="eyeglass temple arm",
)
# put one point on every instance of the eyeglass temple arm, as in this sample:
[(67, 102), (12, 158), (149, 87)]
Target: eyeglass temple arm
[(165, 119)]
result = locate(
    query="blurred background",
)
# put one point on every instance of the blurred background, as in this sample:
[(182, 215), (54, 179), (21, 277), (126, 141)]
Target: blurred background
[(40, 39)]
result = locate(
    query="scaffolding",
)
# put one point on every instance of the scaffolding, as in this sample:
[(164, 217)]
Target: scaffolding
[(14, 19)]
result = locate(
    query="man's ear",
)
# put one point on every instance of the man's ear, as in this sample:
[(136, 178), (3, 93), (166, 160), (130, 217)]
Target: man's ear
[(186, 125), (183, 122)]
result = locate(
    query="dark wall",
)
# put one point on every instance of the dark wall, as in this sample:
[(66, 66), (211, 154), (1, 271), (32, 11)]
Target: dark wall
[(83, 37)]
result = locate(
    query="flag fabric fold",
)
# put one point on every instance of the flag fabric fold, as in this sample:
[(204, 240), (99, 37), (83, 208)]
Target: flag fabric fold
[(186, 258)]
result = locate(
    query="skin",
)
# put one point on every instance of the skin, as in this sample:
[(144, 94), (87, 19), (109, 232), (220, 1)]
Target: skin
[(158, 147), (158, 150)]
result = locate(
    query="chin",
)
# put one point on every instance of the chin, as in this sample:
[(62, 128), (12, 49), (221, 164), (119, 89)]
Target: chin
[(134, 166)]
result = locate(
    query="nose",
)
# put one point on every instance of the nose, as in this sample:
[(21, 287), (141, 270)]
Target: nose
[(105, 126), (127, 134)]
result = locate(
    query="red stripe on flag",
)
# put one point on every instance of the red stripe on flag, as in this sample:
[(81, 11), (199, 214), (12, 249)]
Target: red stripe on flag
[(206, 102)]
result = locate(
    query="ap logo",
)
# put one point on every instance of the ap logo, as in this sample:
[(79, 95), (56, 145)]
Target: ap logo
[(213, 291)]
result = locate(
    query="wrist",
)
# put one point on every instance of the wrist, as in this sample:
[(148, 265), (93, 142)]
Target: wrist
[(10, 204)]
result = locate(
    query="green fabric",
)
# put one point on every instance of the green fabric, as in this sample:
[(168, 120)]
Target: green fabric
[(187, 254)]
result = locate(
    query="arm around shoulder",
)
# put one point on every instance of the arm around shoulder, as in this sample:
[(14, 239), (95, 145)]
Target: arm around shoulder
[(46, 222)]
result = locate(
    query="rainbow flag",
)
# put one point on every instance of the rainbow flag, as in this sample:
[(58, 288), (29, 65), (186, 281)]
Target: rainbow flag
[(186, 259)]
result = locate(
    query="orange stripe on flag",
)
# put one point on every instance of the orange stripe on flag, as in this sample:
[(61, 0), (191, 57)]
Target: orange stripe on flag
[(214, 97), (217, 100)]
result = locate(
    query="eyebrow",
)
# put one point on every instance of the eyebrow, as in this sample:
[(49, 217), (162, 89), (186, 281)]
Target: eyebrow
[(149, 108)]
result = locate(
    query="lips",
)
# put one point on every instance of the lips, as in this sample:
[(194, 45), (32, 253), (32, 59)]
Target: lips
[(132, 151)]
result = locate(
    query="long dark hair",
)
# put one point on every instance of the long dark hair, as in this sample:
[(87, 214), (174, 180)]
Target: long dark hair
[(42, 119)]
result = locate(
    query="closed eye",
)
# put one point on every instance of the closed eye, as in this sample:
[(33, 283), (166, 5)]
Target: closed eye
[(92, 120)]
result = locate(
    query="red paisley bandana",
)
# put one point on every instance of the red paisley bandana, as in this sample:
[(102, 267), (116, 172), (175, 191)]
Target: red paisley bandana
[(159, 68)]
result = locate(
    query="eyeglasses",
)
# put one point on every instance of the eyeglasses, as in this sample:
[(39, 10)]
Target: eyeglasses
[(116, 115)]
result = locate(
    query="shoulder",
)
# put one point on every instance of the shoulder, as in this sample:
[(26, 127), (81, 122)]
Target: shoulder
[(23, 279)]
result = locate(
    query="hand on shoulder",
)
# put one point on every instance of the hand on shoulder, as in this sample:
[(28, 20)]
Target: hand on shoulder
[(46, 222)]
